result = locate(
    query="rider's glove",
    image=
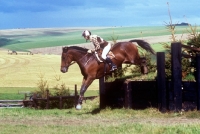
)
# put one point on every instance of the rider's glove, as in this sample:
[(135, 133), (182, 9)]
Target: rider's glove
[(90, 51)]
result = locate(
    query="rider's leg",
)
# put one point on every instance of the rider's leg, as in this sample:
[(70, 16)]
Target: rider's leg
[(105, 51), (107, 59), (113, 66)]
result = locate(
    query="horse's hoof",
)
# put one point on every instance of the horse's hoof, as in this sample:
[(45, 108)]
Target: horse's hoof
[(78, 107)]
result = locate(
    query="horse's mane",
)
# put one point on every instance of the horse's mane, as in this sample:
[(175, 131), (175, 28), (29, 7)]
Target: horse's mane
[(78, 48)]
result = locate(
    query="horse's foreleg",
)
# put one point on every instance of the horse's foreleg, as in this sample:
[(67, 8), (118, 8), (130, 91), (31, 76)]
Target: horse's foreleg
[(85, 84)]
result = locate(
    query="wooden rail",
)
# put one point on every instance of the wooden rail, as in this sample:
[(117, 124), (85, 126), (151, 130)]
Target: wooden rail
[(34, 101), (60, 99), (4, 101), (11, 103)]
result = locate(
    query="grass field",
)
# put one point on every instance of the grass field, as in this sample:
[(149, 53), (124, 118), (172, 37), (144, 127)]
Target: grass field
[(25, 39), (26, 71), (92, 120), (22, 72)]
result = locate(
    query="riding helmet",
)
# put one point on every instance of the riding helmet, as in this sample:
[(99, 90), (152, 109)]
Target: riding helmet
[(86, 33)]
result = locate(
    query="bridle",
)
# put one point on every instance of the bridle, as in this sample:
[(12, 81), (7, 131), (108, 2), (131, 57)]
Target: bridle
[(72, 63), (80, 60)]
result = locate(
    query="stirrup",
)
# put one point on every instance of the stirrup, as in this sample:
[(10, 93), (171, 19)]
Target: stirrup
[(113, 68)]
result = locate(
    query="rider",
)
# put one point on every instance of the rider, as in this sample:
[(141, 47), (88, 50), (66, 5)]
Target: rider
[(99, 42)]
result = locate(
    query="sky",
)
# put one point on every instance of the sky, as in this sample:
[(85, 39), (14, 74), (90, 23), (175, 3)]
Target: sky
[(96, 13)]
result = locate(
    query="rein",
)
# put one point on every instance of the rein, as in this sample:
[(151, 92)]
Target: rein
[(72, 63), (87, 61), (79, 60)]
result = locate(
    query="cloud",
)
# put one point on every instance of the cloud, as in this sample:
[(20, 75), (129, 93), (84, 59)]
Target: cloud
[(51, 5), (51, 13), (33, 5)]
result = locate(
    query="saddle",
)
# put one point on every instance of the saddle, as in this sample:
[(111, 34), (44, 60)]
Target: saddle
[(98, 55)]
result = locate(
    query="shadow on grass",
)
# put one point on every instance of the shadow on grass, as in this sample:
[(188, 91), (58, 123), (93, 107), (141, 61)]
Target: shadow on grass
[(95, 111)]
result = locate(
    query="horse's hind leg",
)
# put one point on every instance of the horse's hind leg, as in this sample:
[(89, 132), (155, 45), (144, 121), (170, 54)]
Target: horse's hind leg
[(143, 65), (84, 86)]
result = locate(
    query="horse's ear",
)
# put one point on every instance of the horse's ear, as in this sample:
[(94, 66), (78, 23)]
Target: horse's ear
[(64, 48)]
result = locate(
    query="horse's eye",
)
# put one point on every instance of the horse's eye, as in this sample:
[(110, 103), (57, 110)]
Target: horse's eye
[(63, 58)]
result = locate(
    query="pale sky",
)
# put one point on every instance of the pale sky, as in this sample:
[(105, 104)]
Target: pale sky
[(95, 13)]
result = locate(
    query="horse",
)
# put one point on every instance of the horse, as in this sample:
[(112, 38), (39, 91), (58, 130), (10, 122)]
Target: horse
[(91, 69)]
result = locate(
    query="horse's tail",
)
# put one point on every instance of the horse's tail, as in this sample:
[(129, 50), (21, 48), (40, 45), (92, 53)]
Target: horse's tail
[(145, 45)]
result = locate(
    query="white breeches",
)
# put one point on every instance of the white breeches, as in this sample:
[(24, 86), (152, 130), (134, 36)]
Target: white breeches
[(105, 51)]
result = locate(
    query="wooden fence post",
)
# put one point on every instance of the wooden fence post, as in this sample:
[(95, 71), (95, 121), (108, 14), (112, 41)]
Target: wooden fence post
[(34, 100), (198, 80), (47, 92), (75, 95), (176, 75), (60, 102), (102, 93), (161, 81), (128, 94)]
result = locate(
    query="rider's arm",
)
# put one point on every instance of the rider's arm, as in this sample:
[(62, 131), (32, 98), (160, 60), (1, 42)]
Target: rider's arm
[(98, 42)]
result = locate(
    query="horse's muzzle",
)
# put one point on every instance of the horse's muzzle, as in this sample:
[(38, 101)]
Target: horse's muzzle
[(63, 69)]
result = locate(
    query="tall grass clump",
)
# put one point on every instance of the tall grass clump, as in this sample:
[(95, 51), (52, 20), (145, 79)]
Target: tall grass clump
[(43, 86), (61, 90), (194, 39), (187, 63), (58, 90), (113, 38)]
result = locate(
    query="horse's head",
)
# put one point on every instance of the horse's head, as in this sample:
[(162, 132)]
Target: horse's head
[(72, 53), (66, 59)]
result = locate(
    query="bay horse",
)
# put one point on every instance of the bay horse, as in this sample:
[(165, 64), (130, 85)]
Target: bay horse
[(91, 69)]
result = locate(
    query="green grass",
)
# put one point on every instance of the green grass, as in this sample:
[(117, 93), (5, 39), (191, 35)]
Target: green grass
[(11, 96), (92, 120), (12, 93), (158, 47)]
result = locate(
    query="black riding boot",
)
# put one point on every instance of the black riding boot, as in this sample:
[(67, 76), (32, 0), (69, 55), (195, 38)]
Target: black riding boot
[(113, 66)]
